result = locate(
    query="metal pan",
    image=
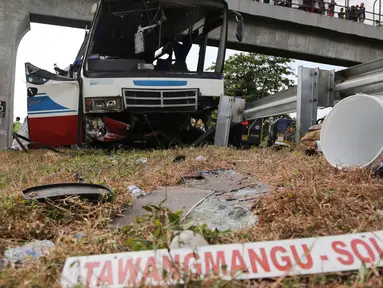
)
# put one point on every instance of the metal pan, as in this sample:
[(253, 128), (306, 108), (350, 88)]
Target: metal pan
[(91, 192)]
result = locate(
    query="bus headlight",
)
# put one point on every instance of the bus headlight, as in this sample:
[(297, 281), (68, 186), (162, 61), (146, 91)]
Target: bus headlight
[(99, 104), (111, 104), (103, 104)]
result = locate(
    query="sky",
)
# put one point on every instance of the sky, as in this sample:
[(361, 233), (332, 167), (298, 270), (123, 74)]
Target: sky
[(46, 45)]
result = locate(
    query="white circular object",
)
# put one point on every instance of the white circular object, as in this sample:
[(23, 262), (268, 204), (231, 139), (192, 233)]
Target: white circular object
[(352, 134), (188, 239)]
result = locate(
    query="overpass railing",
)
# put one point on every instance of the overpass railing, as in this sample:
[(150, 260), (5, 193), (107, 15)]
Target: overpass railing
[(317, 88), (322, 7), (380, 11)]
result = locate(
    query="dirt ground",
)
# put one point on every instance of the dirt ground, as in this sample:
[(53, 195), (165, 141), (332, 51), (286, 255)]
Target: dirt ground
[(308, 198)]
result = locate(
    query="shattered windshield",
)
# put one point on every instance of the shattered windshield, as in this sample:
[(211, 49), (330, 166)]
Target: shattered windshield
[(153, 35)]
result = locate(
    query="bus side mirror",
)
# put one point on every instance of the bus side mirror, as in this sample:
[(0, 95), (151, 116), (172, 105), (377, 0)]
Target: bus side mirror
[(239, 33)]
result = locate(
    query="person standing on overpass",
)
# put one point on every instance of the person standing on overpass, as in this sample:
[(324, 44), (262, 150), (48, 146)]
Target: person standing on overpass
[(362, 13), (331, 8), (341, 14), (16, 125)]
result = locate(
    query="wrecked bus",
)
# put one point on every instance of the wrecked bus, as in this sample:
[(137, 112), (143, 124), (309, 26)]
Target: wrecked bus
[(130, 82)]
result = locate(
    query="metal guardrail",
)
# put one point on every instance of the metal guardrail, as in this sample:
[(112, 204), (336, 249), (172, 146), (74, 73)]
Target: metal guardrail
[(318, 88), (371, 83), (305, 98), (363, 78), (315, 88), (357, 70), (277, 104)]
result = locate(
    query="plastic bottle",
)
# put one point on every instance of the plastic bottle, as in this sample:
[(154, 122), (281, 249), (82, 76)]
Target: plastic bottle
[(135, 191)]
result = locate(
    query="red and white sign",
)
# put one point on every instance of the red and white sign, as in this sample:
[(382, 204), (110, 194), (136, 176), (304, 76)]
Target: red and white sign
[(233, 261)]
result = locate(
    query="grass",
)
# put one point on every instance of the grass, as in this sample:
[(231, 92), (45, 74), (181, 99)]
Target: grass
[(308, 198)]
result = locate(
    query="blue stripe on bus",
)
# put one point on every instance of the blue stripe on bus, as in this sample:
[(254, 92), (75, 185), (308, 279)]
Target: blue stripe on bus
[(51, 112), (162, 83), (43, 103)]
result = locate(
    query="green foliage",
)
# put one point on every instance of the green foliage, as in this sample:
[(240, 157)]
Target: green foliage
[(363, 273), (211, 236), (257, 75)]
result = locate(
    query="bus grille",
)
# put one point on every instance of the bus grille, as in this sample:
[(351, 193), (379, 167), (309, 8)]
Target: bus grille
[(161, 100)]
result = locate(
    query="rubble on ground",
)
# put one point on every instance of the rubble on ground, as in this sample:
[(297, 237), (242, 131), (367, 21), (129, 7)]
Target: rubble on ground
[(26, 253), (222, 199)]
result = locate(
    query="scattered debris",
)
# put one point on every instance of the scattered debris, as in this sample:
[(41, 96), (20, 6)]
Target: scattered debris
[(319, 148), (379, 172), (217, 213), (230, 207), (222, 181), (222, 199), (188, 239), (141, 161), (291, 175), (310, 141), (34, 144), (281, 132), (201, 158), (136, 192), (180, 158), (63, 190), (219, 172), (20, 144), (79, 236), (77, 176), (177, 198), (195, 177), (27, 252), (198, 203)]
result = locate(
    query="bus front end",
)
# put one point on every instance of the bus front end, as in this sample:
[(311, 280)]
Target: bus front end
[(144, 69)]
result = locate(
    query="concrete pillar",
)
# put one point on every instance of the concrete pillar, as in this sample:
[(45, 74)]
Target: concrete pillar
[(14, 24)]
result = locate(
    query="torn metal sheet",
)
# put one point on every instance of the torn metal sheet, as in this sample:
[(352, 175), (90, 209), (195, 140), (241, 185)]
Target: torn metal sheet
[(57, 191), (221, 199), (177, 198)]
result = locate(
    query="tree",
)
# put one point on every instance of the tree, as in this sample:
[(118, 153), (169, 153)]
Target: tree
[(257, 75)]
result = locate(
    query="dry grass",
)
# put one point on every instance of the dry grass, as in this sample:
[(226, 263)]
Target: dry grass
[(308, 198)]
